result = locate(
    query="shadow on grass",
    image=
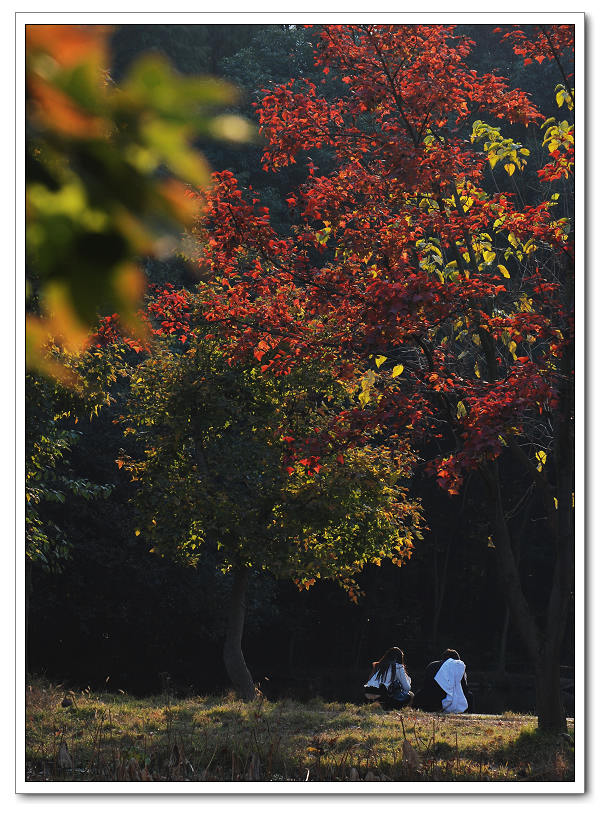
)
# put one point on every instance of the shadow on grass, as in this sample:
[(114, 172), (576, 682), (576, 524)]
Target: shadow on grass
[(540, 756)]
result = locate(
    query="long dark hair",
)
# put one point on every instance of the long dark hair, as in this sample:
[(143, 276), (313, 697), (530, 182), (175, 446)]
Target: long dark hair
[(392, 656)]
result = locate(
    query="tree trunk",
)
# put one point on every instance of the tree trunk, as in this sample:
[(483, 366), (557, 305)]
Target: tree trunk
[(548, 695), (359, 643), (28, 590), (440, 582), (501, 664), (516, 547), (232, 649), (543, 647)]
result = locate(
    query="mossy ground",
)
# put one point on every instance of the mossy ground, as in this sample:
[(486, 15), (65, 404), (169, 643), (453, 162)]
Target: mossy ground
[(117, 737)]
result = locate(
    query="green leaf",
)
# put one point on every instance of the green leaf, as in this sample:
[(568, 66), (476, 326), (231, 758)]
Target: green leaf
[(231, 127), (322, 236), (169, 140)]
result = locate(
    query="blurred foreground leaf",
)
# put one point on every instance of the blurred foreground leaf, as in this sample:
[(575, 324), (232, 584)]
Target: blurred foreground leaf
[(108, 176)]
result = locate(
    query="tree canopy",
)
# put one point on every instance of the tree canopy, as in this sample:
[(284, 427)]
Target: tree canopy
[(443, 294)]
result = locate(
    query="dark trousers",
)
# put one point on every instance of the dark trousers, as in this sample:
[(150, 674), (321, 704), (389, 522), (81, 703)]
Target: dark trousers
[(429, 697)]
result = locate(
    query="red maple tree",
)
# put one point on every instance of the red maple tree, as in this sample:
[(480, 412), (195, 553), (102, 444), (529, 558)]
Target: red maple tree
[(442, 297)]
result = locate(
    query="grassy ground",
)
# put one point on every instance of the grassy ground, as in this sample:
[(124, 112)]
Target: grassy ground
[(116, 737)]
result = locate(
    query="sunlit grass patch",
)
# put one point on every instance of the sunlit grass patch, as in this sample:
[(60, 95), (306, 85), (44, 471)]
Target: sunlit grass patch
[(116, 737)]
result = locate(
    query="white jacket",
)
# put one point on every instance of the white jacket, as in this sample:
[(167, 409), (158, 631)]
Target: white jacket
[(386, 680), (449, 678)]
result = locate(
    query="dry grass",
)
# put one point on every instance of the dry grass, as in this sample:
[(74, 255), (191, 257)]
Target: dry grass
[(116, 737)]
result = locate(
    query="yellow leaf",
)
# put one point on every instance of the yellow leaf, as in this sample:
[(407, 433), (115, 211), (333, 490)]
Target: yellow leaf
[(509, 168), (476, 339), (397, 370), (461, 410), (380, 359), (504, 271), (541, 458), (525, 303), (137, 532), (477, 372)]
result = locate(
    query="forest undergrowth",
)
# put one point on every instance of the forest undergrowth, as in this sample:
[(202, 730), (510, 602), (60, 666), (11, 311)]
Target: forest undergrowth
[(83, 736)]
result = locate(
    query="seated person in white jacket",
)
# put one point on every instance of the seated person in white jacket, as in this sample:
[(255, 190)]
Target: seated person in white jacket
[(389, 682), (445, 685), (449, 678)]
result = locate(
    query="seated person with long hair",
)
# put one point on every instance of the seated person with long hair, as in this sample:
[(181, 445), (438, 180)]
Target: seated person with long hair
[(389, 682), (445, 685)]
